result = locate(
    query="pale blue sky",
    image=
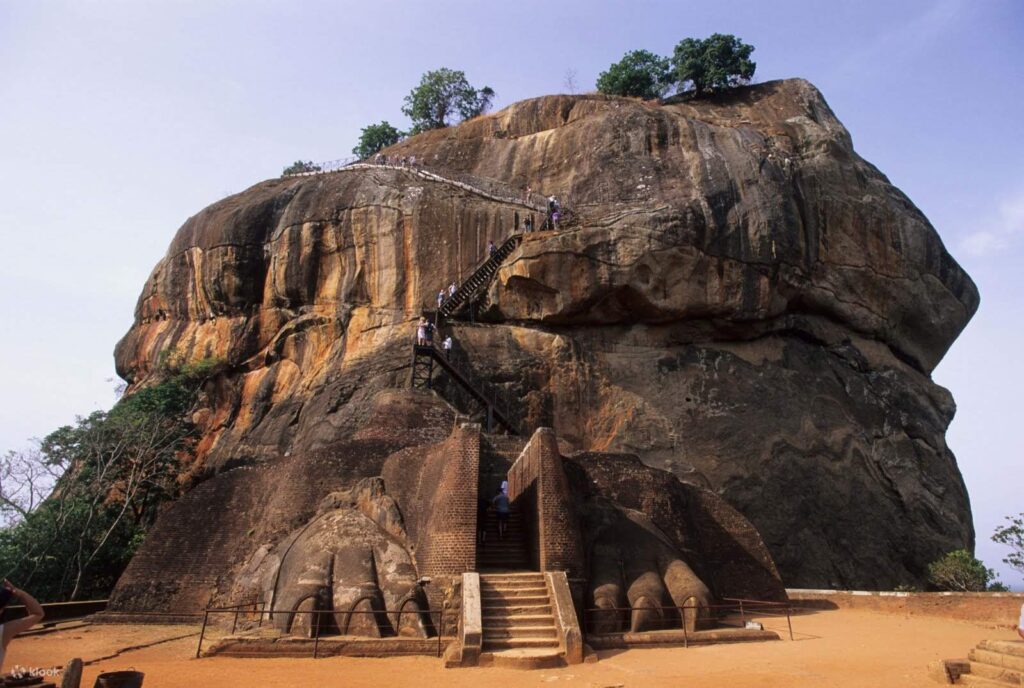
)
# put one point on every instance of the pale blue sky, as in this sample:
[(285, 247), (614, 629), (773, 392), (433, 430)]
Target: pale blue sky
[(118, 120)]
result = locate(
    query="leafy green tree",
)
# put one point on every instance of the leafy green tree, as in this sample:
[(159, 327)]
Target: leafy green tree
[(959, 571), (440, 95), (716, 62), (375, 137), (1012, 535), (300, 166), (112, 470), (639, 73)]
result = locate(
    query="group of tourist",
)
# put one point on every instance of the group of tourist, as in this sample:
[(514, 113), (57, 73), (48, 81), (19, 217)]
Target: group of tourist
[(425, 337), (397, 161)]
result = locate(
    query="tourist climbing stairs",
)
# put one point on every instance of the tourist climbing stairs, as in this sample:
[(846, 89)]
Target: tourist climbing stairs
[(480, 278), (995, 663), (503, 554), (516, 613)]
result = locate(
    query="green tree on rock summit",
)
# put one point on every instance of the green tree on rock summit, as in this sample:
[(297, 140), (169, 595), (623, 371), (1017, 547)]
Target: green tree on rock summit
[(716, 62), (375, 137), (639, 73), (441, 94)]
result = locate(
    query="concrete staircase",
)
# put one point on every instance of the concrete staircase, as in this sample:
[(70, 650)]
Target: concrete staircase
[(995, 663), (518, 621), (508, 554)]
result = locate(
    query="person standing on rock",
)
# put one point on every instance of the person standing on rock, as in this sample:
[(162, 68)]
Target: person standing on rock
[(447, 346), (501, 506), (8, 630)]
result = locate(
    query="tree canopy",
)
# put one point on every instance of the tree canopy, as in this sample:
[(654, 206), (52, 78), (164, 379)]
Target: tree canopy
[(440, 95), (375, 137), (716, 62), (639, 73), (300, 166)]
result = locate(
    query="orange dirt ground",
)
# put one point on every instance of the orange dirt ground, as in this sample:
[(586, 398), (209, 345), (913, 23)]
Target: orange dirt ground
[(831, 648)]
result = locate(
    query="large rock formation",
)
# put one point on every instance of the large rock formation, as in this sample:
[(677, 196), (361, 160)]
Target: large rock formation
[(740, 299)]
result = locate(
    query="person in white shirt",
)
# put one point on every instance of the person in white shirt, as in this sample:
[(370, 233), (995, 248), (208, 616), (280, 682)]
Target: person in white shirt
[(447, 346), (33, 615)]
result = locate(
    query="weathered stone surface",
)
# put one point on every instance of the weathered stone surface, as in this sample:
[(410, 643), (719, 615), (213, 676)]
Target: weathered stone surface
[(742, 300)]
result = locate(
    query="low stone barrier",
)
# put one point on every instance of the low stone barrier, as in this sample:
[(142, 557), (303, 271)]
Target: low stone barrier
[(999, 608)]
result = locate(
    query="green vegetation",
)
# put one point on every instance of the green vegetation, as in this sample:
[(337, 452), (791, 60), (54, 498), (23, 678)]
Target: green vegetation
[(1012, 535), (703, 65), (300, 166), (717, 62), (639, 73), (442, 93), (375, 137), (959, 571), (76, 509)]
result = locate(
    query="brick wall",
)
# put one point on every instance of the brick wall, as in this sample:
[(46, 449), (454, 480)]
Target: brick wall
[(539, 487), (436, 490)]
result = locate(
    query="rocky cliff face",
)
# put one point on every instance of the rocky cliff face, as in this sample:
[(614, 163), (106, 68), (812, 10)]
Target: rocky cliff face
[(740, 299)]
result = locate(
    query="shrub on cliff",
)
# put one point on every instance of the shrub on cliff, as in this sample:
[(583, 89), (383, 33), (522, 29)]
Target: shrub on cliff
[(79, 507), (639, 73), (375, 137), (440, 95), (959, 571), (716, 62), (300, 166)]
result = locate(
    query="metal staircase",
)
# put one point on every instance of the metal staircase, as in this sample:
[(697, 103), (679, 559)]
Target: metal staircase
[(480, 279), (424, 358)]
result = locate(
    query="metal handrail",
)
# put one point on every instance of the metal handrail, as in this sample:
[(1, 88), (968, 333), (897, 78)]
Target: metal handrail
[(263, 611), (742, 606)]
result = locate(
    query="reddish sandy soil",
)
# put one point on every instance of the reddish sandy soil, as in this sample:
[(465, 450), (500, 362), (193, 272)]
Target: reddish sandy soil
[(831, 648)]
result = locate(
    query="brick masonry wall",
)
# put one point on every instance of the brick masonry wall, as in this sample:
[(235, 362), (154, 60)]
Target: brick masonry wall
[(1002, 609), (539, 470), (436, 490)]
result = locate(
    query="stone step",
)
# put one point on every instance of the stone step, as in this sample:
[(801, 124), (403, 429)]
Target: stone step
[(541, 658), (519, 632), (498, 602), (513, 610), (995, 672), (493, 643), (512, 575), (972, 680), (1005, 647), (513, 593), (518, 620), (999, 659), (513, 584)]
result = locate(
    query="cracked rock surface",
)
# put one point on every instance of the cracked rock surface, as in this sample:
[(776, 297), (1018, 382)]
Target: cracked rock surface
[(740, 298)]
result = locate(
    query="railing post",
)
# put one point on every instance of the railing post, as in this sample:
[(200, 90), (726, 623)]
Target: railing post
[(234, 624), (316, 632), (789, 621), (202, 633), (440, 631), (743, 616), (686, 639)]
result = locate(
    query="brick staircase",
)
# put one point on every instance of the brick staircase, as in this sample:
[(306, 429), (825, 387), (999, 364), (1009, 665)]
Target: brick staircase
[(995, 663), (509, 554), (518, 621)]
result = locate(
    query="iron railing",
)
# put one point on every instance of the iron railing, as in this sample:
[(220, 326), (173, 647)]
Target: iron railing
[(259, 609)]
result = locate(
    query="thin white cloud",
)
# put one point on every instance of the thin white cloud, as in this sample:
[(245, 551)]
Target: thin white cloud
[(999, 231)]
